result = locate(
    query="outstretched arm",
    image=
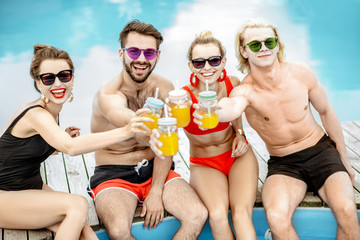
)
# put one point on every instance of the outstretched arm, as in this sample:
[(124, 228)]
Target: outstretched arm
[(44, 124), (232, 107)]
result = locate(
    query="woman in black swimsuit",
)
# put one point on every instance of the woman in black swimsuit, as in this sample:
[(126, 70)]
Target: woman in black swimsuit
[(30, 136)]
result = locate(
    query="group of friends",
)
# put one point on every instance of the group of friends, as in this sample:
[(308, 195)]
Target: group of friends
[(275, 97)]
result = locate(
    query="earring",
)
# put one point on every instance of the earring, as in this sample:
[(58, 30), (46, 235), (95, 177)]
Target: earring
[(44, 99), (194, 81), (222, 75), (71, 98)]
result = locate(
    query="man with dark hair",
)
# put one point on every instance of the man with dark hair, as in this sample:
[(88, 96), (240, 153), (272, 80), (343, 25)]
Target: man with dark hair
[(129, 172)]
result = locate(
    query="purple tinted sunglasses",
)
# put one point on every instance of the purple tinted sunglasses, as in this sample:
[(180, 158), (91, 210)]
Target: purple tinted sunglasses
[(134, 52)]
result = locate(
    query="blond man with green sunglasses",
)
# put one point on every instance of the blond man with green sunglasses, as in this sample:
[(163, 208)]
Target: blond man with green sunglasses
[(304, 155)]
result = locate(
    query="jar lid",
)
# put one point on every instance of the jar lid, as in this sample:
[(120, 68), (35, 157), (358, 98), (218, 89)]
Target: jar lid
[(154, 102), (178, 93), (207, 95), (167, 121)]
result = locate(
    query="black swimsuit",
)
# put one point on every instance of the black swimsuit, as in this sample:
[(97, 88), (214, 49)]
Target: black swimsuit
[(20, 159)]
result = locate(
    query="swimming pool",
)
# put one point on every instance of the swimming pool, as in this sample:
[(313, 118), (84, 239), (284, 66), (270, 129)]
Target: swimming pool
[(317, 32), (309, 223)]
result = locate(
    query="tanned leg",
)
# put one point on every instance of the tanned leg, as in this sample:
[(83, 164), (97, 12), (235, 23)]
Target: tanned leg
[(243, 182), (338, 193), (116, 208), (212, 187), (183, 203), (280, 196)]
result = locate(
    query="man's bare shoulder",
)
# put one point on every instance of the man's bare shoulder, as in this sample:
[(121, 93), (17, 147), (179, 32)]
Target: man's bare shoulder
[(304, 73), (109, 95), (300, 68), (245, 88), (160, 79), (111, 86), (235, 81), (164, 84)]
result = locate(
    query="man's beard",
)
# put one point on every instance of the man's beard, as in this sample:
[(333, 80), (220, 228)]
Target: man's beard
[(133, 76)]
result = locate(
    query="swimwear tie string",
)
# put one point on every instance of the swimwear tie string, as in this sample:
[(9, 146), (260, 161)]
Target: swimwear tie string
[(141, 164)]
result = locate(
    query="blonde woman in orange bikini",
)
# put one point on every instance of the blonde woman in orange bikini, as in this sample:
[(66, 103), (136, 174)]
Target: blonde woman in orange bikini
[(223, 170)]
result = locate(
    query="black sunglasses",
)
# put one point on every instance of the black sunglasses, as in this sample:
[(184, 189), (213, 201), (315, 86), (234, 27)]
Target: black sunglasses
[(200, 62), (49, 78)]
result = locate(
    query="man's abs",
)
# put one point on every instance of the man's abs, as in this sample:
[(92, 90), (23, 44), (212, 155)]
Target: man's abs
[(108, 156), (296, 142)]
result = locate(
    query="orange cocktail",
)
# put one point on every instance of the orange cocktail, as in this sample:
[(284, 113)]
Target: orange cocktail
[(210, 120), (182, 113), (155, 117), (170, 141)]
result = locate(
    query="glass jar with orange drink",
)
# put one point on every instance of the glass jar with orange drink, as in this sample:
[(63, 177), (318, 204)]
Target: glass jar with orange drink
[(155, 106), (208, 109), (180, 107), (168, 136)]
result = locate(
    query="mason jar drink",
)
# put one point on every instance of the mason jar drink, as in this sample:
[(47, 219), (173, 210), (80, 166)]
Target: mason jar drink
[(180, 107), (155, 106), (208, 109), (168, 136)]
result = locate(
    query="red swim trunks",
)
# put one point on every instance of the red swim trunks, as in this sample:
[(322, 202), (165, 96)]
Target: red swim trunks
[(222, 162), (133, 179)]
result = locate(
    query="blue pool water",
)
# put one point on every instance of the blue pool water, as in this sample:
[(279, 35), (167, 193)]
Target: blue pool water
[(309, 223), (321, 33)]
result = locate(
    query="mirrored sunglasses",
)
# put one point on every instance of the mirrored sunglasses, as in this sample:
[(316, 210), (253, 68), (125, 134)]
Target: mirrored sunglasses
[(255, 45), (49, 78), (200, 62), (134, 52)]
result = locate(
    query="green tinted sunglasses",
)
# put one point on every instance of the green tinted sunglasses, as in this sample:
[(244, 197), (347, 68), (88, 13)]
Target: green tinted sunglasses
[(255, 45)]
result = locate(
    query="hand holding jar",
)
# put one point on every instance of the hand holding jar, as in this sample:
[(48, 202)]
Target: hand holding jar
[(155, 106)]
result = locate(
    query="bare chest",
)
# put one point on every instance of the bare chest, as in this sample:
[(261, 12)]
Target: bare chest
[(289, 105)]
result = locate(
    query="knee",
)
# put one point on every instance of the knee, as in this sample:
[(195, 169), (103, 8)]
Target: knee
[(197, 216), (346, 214), (78, 207), (119, 231), (219, 216), (241, 214), (278, 219)]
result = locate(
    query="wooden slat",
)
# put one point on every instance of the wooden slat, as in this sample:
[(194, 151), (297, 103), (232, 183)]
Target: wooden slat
[(182, 158), (15, 234), (78, 182), (351, 132), (40, 234), (55, 173), (89, 160), (43, 172)]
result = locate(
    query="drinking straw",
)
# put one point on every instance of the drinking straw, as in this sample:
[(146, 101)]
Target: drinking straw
[(166, 116), (156, 92), (156, 96), (166, 111), (207, 89)]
